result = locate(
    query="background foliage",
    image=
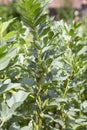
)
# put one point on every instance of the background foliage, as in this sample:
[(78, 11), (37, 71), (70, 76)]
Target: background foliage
[(9, 11), (65, 13), (43, 67)]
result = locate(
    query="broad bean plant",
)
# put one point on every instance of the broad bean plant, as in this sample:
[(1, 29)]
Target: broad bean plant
[(43, 71)]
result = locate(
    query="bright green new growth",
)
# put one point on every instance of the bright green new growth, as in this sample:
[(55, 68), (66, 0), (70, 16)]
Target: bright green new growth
[(43, 66)]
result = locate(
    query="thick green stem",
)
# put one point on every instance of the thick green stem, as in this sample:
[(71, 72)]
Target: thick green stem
[(38, 123), (64, 96), (66, 89)]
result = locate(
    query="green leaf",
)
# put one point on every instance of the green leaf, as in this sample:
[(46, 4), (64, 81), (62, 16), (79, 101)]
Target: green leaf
[(4, 61), (84, 106), (3, 50), (44, 31), (14, 126), (5, 112), (6, 87), (5, 26), (10, 35), (82, 51), (41, 20), (25, 128), (29, 127), (17, 99), (27, 81)]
